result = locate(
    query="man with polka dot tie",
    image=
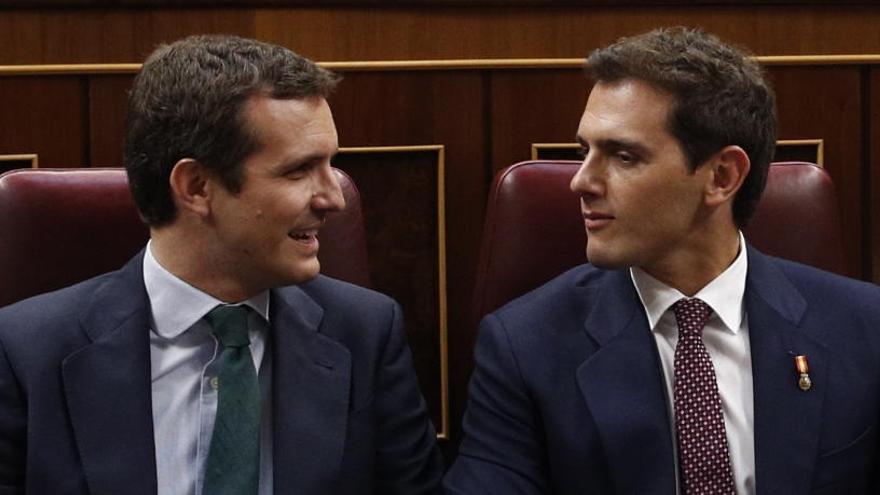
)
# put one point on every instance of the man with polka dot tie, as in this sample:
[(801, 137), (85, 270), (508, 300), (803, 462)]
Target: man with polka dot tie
[(667, 364)]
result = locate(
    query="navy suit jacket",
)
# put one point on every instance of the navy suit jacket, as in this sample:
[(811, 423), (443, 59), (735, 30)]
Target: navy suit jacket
[(567, 396), (75, 401)]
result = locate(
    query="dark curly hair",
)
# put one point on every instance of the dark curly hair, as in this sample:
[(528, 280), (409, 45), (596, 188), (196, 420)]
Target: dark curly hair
[(187, 102), (721, 97)]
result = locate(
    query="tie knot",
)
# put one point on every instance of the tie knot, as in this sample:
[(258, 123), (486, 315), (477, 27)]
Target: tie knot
[(691, 314), (230, 325)]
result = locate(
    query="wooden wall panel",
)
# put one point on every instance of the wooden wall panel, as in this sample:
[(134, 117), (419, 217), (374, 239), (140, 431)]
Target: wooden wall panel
[(534, 107), (825, 103), (434, 107), (85, 4), (15, 161), (411, 33), (107, 101), (65, 36), (404, 246), (526, 32), (872, 166), (46, 116)]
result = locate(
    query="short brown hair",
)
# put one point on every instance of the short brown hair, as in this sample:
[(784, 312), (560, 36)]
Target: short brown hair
[(187, 102), (721, 97)]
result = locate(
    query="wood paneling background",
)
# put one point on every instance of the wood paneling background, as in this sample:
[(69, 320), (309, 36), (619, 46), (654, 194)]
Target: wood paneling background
[(110, 35), (402, 206), (831, 111), (411, 3), (485, 119), (47, 116), (485, 115), (871, 171)]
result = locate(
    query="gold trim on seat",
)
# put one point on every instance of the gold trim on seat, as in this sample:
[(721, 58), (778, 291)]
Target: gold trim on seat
[(32, 157), (443, 431), (452, 64)]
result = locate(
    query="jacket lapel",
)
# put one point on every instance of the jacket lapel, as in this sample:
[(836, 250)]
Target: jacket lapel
[(786, 417), (107, 387), (622, 384), (311, 382)]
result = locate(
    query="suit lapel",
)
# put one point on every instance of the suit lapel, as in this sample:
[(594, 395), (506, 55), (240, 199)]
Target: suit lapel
[(107, 387), (311, 384), (786, 418), (622, 384)]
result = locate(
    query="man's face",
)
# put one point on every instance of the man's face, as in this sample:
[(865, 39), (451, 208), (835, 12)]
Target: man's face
[(266, 233), (639, 199)]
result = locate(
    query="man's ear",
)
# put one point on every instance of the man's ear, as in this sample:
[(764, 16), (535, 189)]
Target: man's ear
[(729, 168), (191, 186)]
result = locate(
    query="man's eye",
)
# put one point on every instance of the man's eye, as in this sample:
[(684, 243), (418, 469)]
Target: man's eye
[(300, 171), (626, 158), (582, 151)]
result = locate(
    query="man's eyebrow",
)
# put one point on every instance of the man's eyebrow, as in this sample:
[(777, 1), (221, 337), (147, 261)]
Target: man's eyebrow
[(299, 161), (622, 144), (611, 145)]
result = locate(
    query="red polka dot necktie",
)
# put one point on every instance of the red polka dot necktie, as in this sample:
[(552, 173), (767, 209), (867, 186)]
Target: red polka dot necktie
[(703, 456)]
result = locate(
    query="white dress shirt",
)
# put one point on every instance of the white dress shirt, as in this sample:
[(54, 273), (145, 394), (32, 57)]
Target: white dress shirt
[(726, 337), (182, 369)]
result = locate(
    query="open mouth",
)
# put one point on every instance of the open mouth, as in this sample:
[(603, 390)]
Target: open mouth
[(304, 235)]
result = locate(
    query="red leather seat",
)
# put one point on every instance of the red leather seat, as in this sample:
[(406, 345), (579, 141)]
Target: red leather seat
[(534, 230), (61, 226), (798, 217)]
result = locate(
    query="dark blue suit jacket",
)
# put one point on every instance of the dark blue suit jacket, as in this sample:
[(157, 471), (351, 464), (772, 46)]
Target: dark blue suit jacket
[(75, 407), (567, 396)]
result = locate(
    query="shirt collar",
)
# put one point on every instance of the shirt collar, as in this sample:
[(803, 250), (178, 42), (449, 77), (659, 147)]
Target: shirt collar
[(724, 294), (176, 306)]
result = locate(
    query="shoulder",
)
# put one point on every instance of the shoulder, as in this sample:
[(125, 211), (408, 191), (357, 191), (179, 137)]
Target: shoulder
[(63, 309), (569, 292), (350, 314), (343, 302), (45, 311), (818, 299), (335, 294), (826, 288), (548, 321), (39, 332)]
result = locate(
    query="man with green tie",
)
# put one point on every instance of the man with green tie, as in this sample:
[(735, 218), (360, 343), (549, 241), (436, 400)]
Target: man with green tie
[(218, 360)]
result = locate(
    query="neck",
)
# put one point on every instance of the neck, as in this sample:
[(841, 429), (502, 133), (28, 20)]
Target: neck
[(693, 268), (188, 257)]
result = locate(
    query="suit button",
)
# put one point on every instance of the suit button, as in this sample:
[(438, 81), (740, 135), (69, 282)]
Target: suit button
[(215, 382)]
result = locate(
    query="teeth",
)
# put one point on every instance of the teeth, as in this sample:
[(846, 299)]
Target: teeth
[(304, 235)]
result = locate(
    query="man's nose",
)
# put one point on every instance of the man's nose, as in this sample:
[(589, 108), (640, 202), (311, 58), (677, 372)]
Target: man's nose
[(587, 181), (328, 193)]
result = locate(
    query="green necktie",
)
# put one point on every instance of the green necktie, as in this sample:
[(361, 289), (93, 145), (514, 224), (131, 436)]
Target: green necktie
[(233, 464)]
